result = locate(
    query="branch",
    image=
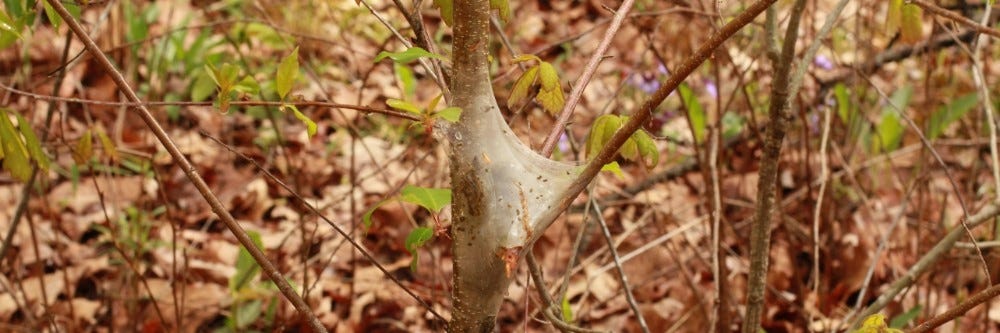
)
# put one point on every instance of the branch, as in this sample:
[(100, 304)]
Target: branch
[(934, 9), (960, 309), (217, 207), (367, 109), (760, 232), (932, 256)]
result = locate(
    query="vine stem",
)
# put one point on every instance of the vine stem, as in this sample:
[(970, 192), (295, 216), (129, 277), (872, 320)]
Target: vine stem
[(189, 170)]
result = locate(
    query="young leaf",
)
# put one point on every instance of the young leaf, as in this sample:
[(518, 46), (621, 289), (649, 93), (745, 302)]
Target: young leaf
[(843, 102), (503, 9), (15, 155), (522, 85), (288, 71), (876, 324), (367, 218), (648, 153), (451, 113), (408, 56), (614, 168), (600, 132), (31, 143), (447, 8), (202, 86), (695, 112), (417, 238), (900, 320), (567, 311), (310, 125), (52, 15), (948, 114), (403, 105), (893, 16), (107, 145), (246, 267), (84, 148), (550, 96), (890, 128), (433, 199), (406, 79), (911, 24)]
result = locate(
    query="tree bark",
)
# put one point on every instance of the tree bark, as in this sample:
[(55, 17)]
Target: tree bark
[(500, 187)]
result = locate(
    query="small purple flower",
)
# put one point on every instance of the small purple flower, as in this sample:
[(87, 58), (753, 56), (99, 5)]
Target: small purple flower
[(823, 62), (563, 143), (648, 83), (711, 89)]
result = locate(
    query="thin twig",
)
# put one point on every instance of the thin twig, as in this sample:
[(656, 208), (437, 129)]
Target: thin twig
[(548, 305), (387, 112), (927, 261), (980, 80), (618, 264), (978, 27), (979, 298), (584, 79), (189, 170)]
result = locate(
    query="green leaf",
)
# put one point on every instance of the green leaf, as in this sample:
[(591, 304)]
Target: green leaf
[(288, 71), (695, 112), (408, 56), (567, 311), (246, 267), (600, 132), (84, 148), (403, 105), (310, 124), (9, 27), (15, 155), (447, 10), (614, 168), (890, 128), (550, 96), (503, 9), (451, 113), (31, 143), (522, 86), (948, 114), (893, 16), (246, 314), (900, 320), (367, 218), (52, 15), (433, 199), (875, 324), (843, 102), (416, 239), (203, 86), (407, 81), (648, 153), (107, 145), (911, 24), (732, 125)]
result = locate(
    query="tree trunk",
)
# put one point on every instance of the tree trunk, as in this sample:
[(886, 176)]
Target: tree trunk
[(499, 185)]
